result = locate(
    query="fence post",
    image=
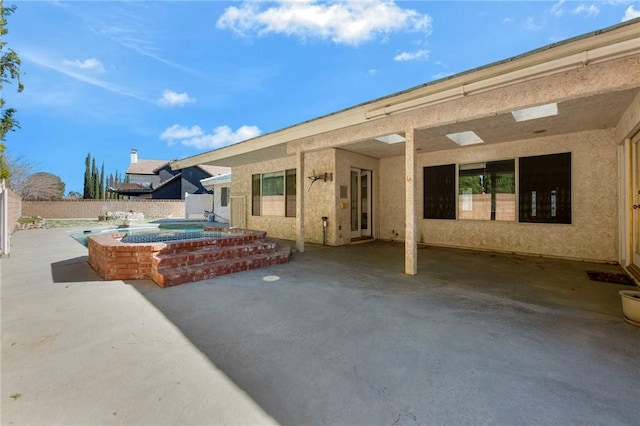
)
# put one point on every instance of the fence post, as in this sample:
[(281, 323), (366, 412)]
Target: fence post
[(4, 219)]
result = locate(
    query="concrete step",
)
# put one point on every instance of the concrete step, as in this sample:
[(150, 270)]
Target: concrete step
[(167, 277)]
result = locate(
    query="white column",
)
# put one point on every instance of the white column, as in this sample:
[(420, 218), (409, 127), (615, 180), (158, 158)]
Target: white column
[(410, 242), (300, 200)]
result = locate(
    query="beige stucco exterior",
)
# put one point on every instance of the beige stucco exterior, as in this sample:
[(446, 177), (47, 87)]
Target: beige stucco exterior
[(594, 81), (322, 199), (592, 235)]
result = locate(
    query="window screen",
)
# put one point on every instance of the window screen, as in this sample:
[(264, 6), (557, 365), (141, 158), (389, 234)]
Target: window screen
[(545, 188), (224, 196), (255, 195), (290, 200), (440, 192)]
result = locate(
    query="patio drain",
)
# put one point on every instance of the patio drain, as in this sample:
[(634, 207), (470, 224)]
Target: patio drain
[(271, 278)]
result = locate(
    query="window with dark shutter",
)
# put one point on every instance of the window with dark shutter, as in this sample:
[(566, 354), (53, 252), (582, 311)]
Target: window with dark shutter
[(440, 192), (545, 188)]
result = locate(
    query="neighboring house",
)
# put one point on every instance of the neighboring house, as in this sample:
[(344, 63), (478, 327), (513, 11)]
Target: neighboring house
[(221, 187), (155, 179), (537, 154)]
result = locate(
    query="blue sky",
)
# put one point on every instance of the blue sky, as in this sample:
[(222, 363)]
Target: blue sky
[(174, 79)]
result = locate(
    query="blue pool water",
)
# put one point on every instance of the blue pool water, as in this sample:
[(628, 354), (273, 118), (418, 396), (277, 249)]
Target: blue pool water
[(149, 234), (175, 236)]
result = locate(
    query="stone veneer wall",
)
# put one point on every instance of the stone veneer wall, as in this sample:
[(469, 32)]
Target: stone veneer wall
[(593, 235), (70, 209)]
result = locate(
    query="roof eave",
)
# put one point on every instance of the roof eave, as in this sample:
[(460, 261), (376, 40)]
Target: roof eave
[(606, 44)]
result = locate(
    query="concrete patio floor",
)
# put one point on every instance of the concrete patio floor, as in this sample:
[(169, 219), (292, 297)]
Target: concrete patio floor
[(342, 337)]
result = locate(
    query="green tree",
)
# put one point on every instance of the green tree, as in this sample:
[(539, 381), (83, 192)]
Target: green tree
[(87, 178), (4, 167), (95, 180), (102, 188), (9, 71)]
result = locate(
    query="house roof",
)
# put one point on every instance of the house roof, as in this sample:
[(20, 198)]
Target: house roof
[(214, 180), (152, 167), (215, 170), (605, 107), (146, 167)]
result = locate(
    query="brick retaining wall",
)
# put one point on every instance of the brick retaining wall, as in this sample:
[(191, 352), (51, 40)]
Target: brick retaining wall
[(71, 209)]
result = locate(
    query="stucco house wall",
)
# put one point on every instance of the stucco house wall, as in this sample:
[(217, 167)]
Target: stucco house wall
[(275, 226), (322, 199), (345, 160), (594, 83), (593, 235)]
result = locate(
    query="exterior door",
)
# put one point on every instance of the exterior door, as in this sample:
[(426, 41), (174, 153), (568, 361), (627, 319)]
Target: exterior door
[(360, 203), (635, 200)]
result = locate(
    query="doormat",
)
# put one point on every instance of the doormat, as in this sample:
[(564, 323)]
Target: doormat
[(608, 277)]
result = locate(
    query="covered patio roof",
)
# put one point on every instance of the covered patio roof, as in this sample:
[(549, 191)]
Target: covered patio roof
[(582, 109)]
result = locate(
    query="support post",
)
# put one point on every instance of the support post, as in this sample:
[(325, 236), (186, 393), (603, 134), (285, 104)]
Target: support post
[(410, 243), (300, 200)]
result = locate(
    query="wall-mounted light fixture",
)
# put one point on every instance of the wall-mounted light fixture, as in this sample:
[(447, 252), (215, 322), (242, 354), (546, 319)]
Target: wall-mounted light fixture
[(322, 176)]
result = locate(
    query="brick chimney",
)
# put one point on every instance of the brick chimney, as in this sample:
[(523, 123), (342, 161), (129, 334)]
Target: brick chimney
[(134, 156)]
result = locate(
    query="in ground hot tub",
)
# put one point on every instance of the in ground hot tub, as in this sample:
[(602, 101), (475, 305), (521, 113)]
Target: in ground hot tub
[(172, 258)]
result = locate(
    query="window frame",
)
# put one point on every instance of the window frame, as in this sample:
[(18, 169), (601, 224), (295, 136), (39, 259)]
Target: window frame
[(224, 196), (287, 192), (433, 208), (553, 185), (562, 178), (498, 169)]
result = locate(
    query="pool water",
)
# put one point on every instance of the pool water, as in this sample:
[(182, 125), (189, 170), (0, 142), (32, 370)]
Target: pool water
[(147, 234), (172, 236)]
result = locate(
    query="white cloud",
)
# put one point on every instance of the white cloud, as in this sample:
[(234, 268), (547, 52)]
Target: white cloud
[(91, 64), (54, 64), (531, 25), (170, 98), (419, 55), (556, 9), (195, 137), (631, 13), (176, 132), (588, 11), (507, 20), (373, 72), (348, 22)]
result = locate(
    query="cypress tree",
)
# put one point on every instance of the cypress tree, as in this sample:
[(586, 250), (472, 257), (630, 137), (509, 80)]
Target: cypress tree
[(94, 180), (110, 185), (102, 188), (87, 178)]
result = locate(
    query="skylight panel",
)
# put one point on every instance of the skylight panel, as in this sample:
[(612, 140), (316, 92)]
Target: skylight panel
[(541, 111), (391, 139), (465, 138)]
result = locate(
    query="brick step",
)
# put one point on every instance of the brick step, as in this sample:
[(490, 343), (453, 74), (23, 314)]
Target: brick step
[(205, 271), (207, 254), (186, 246)]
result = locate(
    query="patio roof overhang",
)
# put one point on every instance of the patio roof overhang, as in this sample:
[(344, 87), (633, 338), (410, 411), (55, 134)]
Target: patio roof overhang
[(579, 109)]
